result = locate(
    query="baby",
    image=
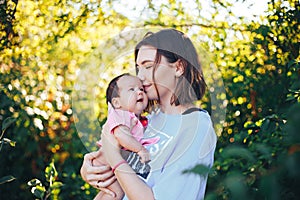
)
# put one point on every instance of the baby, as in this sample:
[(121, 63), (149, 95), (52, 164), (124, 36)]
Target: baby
[(126, 100)]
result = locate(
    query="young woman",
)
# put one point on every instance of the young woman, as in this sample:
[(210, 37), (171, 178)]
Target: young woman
[(168, 65)]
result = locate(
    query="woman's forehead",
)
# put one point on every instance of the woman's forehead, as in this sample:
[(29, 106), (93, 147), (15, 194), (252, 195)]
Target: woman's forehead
[(146, 54)]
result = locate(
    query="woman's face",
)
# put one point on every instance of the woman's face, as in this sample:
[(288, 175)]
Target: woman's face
[(164, 74)]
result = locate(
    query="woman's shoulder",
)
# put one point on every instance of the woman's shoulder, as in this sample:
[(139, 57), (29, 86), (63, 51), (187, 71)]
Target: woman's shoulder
[(196, 113), (193, 109), (198, 120)]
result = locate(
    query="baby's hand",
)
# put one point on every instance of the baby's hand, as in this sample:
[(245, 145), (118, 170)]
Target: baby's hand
[(144, 154)]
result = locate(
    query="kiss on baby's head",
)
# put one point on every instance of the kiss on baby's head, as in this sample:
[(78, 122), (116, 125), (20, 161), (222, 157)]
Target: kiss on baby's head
[(126, 92)]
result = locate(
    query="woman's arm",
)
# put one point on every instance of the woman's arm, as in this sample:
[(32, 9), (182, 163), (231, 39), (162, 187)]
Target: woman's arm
[(133, 186)]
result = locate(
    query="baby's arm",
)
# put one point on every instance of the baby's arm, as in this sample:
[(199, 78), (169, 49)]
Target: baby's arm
[(126, 140)]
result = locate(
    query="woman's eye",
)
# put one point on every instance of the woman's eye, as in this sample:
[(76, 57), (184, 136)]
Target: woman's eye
[(138, 68)]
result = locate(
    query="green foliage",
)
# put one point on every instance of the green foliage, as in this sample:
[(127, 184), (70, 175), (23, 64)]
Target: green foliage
[(6, 123), (8, 9), (43, 44), (264, 152), (40, 191)]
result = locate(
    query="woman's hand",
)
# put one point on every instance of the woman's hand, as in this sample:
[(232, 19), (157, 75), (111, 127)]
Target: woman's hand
[(97, 176)]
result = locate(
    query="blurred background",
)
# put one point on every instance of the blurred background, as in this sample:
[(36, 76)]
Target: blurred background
[(56, 58)]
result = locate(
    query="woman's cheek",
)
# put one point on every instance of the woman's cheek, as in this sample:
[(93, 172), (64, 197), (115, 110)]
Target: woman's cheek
[(151, 94)]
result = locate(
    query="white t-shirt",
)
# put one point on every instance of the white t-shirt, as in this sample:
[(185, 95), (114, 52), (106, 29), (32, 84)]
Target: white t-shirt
[(184, 142)]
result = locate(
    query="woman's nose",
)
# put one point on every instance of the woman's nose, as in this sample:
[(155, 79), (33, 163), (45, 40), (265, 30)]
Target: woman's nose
[(141, 75)]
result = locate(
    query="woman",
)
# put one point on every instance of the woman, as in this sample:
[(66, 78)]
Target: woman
[(168, 65)]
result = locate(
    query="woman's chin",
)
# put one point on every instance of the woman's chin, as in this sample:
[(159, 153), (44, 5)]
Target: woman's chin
[(152, 95)]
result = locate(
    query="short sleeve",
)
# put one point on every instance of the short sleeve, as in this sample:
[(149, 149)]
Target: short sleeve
[(209, 145), (117, 117)]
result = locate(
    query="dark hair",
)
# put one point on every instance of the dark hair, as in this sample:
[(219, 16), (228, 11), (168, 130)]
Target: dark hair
[(112, 90), (175, 45)]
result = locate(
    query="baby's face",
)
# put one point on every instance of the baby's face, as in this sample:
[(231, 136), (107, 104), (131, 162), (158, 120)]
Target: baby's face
[(131, 94)]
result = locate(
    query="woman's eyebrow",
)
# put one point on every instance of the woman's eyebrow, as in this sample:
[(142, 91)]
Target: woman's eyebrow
[(146, 61)]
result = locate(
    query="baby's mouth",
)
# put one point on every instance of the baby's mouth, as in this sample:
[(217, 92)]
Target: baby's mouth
[(140, 100)]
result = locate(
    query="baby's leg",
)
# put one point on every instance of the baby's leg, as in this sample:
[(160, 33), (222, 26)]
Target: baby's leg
[(115, 186)]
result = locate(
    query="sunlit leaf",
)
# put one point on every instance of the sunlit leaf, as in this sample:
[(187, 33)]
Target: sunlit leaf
[(56, 185), (10, 142), (38, 191), (50, 172), (34, 182), (293, 63)]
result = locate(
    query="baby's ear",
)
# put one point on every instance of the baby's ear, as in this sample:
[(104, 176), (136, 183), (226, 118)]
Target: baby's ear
[(116, 102), (179, 68)]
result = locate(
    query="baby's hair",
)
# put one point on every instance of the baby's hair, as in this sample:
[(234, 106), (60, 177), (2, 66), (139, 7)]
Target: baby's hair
[(112, 90)]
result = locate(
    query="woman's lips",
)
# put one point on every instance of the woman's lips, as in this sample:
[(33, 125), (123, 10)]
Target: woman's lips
[(146, 87)]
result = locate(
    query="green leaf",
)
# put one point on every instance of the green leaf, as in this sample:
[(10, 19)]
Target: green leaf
[(6, 179), (202, 170), (211, 196), (264, 151), (239, 152), (264, 30), (236, 184), (7, 122), (293, 64), (50, 171), (10, 142), (56, 185), (290, 97), (38, 191)]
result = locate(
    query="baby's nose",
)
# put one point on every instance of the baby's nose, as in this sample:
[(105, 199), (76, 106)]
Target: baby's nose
[(139, 92)]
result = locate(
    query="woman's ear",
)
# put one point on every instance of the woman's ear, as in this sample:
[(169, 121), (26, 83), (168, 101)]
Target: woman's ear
[(116, 102), (179, 68)]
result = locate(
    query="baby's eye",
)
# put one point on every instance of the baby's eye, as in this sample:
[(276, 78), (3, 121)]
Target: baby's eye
[(131, 89), (142, 89)]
